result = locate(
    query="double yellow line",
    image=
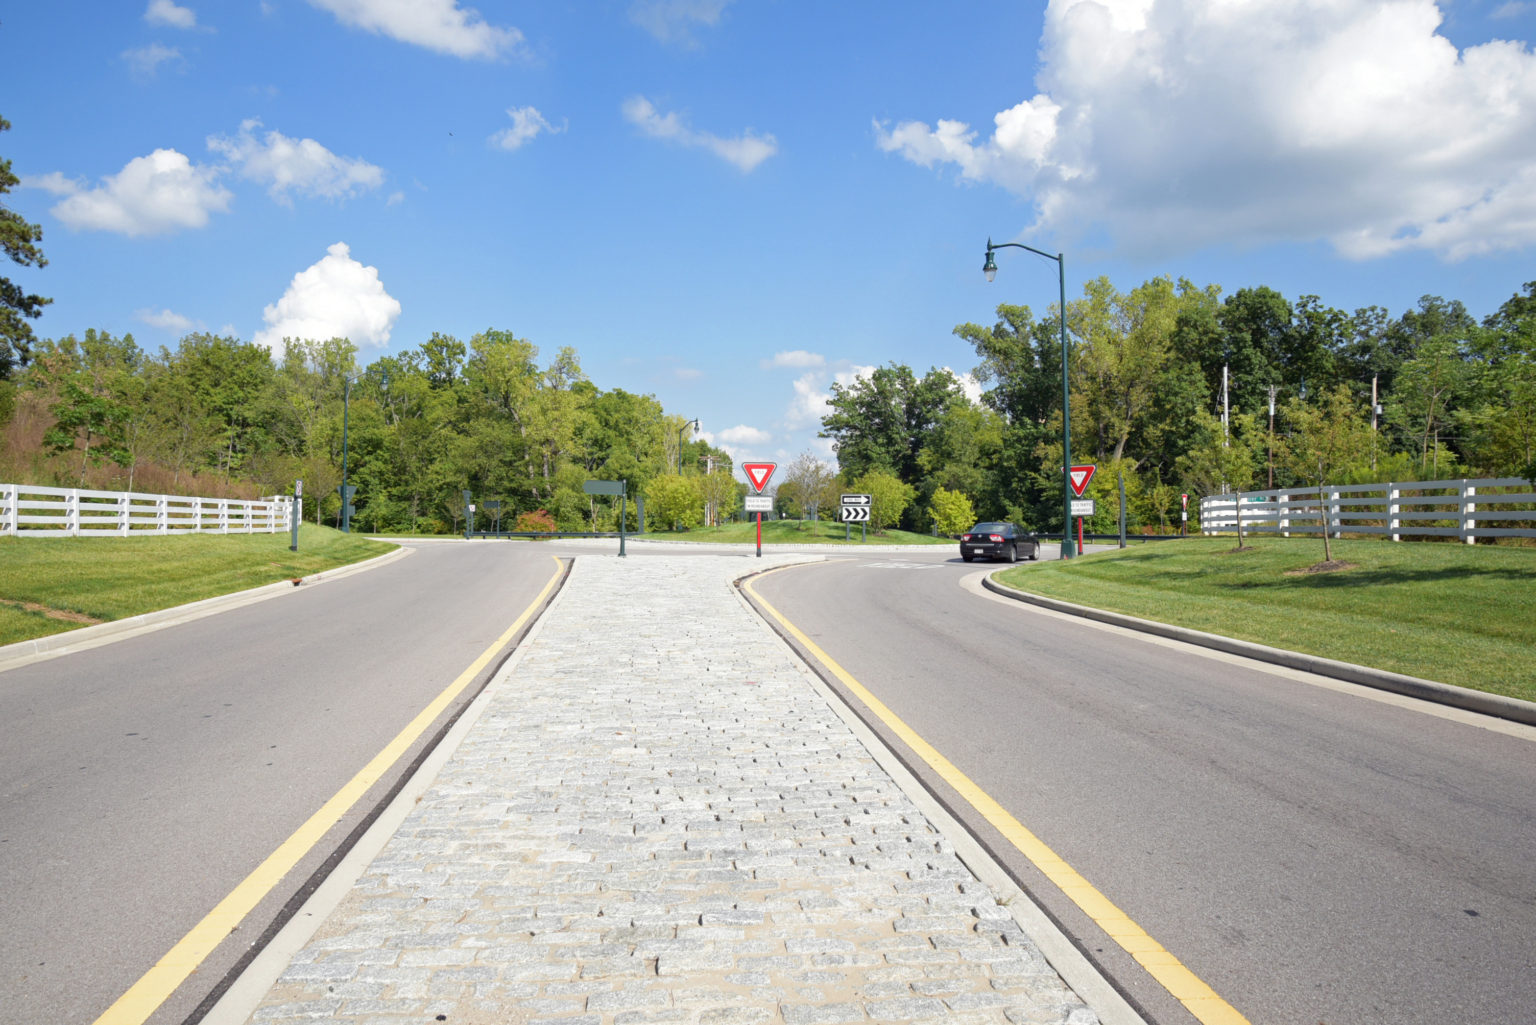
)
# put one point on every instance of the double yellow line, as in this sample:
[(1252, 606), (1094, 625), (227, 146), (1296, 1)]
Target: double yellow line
[(1186, 987), (156, 985)]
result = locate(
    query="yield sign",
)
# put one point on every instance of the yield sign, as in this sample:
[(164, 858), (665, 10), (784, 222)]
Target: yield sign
[(1078, 477), (758, 474)]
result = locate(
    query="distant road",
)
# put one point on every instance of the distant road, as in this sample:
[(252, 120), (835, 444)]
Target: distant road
[(141, 781), (1316, 854)]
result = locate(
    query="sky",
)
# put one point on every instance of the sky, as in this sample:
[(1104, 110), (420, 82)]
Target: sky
[(731, 204)]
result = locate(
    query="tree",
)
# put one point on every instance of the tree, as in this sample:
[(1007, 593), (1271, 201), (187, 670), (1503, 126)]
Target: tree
[(1326, 440), (883, 422), (951, 511), (810, 483), (20, 240), (674, 499), (888, 495), (720, 494)]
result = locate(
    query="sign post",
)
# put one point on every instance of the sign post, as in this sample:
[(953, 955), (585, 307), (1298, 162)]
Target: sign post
[(298, 512), (612, 487), (1183, 515), (758, 475), (1078, 477)]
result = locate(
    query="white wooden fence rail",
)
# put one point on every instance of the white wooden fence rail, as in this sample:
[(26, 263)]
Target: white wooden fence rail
[(27, 510), (1464, 509)]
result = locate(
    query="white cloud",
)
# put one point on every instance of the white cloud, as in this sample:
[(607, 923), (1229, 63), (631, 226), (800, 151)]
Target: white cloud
[(968, 385), (164, 12), (810, 402), (166, 320), (1179, 123), (146, 60), (301, 165), (687, 373), (151, 195), (438, 25), (741, 434), (672, 21), (795, 359), (745, 152), (1513, 9), (336, 298), (527, 123)]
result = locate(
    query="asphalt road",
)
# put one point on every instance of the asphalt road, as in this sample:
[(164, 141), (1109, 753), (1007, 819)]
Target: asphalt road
[(141, 781), (1315, 852)]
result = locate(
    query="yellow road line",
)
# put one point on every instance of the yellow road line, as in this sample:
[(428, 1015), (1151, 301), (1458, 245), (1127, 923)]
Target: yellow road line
[(1186, 987), (156, 985)]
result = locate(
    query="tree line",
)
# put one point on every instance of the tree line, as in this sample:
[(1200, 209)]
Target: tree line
[(1177, 390), (218, 416)]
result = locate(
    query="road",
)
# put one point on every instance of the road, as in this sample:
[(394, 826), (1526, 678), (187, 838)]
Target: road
[(142, 781), (1315, 852)]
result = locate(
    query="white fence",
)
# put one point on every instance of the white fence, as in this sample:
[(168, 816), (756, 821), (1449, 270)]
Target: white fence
[(1464, 509), (27, 510)]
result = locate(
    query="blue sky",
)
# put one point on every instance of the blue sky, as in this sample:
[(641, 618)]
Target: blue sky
[(731, 203)]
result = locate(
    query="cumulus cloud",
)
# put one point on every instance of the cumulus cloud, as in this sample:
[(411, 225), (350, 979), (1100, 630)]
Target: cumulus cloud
[(151, 195), (794, 359), (745, 151), (145, 61), (165, 12), (968, 385), (438, 25), (741, 434), (287, 165), (527, 123), (1172, 124), (166, 320), (335, 298), (673, 21)]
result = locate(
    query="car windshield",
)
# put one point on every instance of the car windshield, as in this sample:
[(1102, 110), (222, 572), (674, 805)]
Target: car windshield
[(989, 528)]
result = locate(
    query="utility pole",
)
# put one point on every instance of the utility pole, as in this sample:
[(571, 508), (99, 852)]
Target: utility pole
[(1273, 389)]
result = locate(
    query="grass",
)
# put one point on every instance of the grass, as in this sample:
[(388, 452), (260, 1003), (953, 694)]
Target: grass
[(100, 579), (793, 532), (1453, 613)]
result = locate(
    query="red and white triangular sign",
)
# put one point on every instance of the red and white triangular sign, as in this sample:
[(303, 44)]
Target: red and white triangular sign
[(758, 474), (1078, 477)]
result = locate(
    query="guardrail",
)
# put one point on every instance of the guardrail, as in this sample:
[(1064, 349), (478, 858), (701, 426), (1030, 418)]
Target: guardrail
[(29, 510), (1467, 509)]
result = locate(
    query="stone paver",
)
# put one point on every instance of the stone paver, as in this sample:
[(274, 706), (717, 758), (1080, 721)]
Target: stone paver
[(658, 819)]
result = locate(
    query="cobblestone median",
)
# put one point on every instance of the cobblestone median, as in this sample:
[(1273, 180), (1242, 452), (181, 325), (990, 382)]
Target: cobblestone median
[(658, 819)]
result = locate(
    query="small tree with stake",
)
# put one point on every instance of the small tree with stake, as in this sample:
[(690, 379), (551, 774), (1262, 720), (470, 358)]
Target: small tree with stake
[(1326, 440)]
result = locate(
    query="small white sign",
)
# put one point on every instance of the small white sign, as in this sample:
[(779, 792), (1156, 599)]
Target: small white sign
[(1082, 507), (856, 500), (759, 503)]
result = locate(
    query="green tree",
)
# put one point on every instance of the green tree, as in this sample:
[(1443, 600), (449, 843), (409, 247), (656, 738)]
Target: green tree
[(20, 240), (809, 484), (951, 511), (1327, 439), (883, 422), (674, 499), (889, 497)]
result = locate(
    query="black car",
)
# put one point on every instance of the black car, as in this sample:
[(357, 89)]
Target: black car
[(998, 541)]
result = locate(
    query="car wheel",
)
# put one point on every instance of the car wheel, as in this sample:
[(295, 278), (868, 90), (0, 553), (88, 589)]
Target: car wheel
[(1013, 552), (1034, 551)]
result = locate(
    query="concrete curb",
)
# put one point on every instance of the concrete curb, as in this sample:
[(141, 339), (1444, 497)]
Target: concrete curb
[(1495, 705), (26, 652)]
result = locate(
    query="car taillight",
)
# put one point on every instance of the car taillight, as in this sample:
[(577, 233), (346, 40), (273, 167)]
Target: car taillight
[(965, 537), (998, 538)]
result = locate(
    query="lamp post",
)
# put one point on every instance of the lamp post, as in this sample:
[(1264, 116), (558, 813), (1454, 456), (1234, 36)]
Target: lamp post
[(346, 498), (989, 268), (681, 432)]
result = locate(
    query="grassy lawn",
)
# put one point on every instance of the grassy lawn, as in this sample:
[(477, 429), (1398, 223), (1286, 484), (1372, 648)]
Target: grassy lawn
[(793, 532), (98, 579), (1461, 615)]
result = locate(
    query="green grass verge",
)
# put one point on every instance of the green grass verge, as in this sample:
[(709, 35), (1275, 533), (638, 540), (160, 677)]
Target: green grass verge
[(1461, 615), (108, 578), (793, 532)]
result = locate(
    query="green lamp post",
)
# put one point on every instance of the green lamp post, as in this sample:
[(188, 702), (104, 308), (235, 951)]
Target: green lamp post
[(989, 268)]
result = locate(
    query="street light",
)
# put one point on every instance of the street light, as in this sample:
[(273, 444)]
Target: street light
[(346, 496), (681, 431), (990, 270)]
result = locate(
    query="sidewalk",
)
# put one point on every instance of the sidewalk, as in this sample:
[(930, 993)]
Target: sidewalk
[(658, 818)]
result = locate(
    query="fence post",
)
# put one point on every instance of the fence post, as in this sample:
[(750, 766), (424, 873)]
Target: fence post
[(1468, 512), (8, 498), (1283, 523), (223, 516), (162, 514), (124, 514), (1335, 524), (72, 513), (1394, 510)]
